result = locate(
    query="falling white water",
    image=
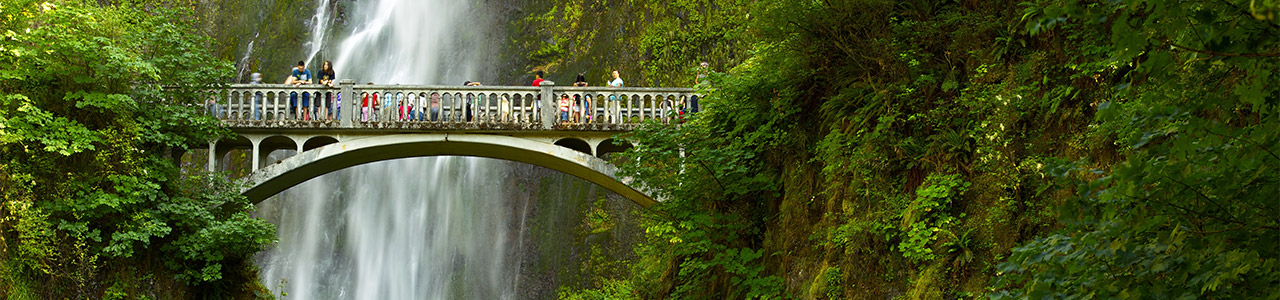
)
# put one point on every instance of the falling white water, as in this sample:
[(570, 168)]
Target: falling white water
[(242, 65), (401, 229), (319, 28), (412, 42), (418, 228)]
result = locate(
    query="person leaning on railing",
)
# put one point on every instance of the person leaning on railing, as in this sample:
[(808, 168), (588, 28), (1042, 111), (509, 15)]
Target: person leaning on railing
[(299, 76), (327, 78)]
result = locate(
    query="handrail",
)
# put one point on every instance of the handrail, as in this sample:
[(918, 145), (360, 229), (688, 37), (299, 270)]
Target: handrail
[(445, 106)]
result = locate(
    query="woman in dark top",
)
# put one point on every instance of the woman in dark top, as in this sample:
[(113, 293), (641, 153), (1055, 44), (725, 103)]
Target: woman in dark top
[(327, 78), (581, 81)]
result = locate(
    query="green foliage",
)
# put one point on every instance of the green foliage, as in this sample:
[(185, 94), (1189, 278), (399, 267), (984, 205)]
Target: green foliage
[(834, 283), (921, 220), (1190, 212), (97, 101), (650, 43), (920, 142)]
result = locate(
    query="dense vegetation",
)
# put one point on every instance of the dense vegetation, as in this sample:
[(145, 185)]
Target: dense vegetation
[(850, 149), (963, 149), (98, 102)]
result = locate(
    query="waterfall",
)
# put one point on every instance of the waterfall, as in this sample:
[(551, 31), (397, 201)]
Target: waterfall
[(413, 42), (319, 28), (402, 229), (419, 228)]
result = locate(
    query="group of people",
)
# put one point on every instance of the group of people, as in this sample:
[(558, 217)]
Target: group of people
[(577, 109), (329, 106), (326, 105), (406, 107)]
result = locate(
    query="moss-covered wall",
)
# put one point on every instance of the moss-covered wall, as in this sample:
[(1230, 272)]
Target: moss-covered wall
[(278, 30)]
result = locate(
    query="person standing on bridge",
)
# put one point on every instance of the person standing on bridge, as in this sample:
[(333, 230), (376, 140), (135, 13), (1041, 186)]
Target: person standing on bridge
[(256, 78), (617, 80), (471, 98), (703, 80), (327, 78), (564, 107), (435, 107), (364, 107), (300, 76), (537, 78), (585, 106), (614, 107)]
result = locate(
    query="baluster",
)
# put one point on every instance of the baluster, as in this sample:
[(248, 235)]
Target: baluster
[(327, 101), (644, 103), (453, 107), (245, 104), (279, 110), (635, 111), (424, 99), (654, 105), (233, 112), (478, 115), (274, 97)]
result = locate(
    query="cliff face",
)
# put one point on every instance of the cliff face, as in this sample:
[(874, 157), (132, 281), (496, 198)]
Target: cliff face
[(266, 36), (862, 149)]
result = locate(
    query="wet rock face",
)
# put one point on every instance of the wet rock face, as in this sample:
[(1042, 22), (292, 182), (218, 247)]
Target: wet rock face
[(264, 36)]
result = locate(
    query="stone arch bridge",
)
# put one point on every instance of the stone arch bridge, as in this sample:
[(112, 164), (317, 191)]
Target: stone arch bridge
[(328, 131)]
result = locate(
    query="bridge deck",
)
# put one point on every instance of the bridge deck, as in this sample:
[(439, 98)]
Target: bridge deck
[(445, 108), (505, 122)]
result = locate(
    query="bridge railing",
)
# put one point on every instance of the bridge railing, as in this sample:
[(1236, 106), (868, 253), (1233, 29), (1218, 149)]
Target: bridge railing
[(432, 106)]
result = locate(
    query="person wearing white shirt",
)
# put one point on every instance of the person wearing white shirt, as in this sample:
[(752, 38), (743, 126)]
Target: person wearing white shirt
[(613, 99)]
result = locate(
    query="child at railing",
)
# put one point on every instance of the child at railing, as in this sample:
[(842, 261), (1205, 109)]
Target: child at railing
[(564, 107)]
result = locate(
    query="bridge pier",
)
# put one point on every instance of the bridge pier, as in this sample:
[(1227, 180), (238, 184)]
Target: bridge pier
[(213, 161), (255, 153)]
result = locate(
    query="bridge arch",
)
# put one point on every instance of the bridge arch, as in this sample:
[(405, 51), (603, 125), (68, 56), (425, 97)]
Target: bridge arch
[(287, 173), (575, 144), (607, 147), (317, 142), (271, 144)]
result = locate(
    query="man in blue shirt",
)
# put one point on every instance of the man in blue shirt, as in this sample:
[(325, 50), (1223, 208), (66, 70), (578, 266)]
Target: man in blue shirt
[(300, 76)]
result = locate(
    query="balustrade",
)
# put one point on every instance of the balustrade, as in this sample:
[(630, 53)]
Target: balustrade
[(427, 106)]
